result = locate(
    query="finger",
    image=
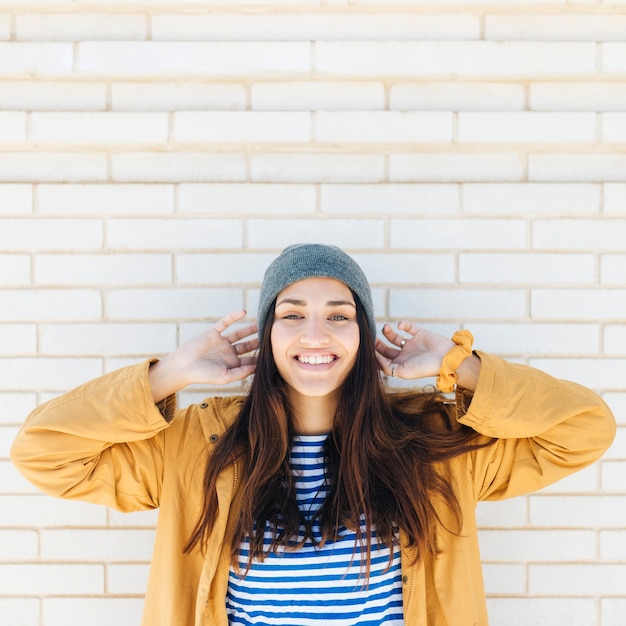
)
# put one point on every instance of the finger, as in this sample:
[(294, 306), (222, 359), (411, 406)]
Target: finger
[(241, 333), (389, 352), (225, 322), (246, 346), (393, 337)]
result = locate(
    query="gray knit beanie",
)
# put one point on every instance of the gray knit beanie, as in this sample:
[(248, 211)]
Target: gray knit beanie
[(312, 260)]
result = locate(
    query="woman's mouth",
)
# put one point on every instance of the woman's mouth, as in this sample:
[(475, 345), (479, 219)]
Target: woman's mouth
[(316, 359)]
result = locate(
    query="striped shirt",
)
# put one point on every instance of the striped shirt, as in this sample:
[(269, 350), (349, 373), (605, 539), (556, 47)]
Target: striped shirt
[(316, 585)]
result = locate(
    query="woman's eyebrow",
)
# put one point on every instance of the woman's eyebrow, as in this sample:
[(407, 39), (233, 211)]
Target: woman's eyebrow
[(295, 302)]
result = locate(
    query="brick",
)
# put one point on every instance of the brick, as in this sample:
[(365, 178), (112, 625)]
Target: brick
[(594, 373), (12, 482), (384, 126), (576, 580), (37, 511), (18, 545), (577, 95), (617, 402), (18, 339), (544, 611), (20, 611), (53, 95), (221, 269), (194, 58), (35, 59), (317, 96), (47, 578), (314, 27), (504, 579), (613, 544), (7, 435), (615, 198), (242, 126), (395, 269), (579, 234), (155, 234), (366, 233), (101, 611), (578, 511), (107, 339), (171, 304), (177, 167), (613, 57), (174, 96), (116, 269), (537, 545), (390, 199), (5, 27), (584, 27), (52, 166), (97, 545), (127, 578), (528, 268), (505, 513), (613, 127), (618, 447), (94, 128), (450, 234), (50, 234), (15, 406), (39, 305), (613, 610), (613, 269), (105, 199), (577, 167), (445, 96), (536, 338), (16, 199), (615, 339), (14, 269), (79, 27), (247, 198), (12, 127), (613, 480), (527, 127), (444, 58), (456, 167), (60, 374), (457, 304), (527, 198), (317, 168), (585, 481)]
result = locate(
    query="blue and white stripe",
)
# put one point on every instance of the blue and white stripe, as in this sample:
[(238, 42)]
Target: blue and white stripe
[(314, 584)]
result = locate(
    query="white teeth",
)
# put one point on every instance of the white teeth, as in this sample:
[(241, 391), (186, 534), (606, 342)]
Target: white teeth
[(315, 360)]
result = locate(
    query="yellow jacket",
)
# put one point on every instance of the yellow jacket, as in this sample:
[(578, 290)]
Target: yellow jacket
[(106, 442)]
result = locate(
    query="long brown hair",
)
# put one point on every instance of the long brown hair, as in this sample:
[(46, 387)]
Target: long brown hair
[(383, 461)]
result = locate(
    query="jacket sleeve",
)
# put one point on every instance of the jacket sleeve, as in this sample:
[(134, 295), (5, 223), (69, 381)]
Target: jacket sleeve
[(544, 428), (101, 442)]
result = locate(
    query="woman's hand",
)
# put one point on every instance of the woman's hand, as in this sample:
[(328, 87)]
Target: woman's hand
[(211, 358), (418, 353)]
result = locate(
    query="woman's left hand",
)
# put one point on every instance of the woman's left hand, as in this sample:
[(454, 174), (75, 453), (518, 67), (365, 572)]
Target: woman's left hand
[(414, 351)]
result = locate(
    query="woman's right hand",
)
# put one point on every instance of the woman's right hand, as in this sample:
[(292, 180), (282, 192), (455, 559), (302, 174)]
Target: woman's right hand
[(211, 358)]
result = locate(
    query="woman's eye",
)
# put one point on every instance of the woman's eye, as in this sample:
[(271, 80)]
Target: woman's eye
[(292, 316), (339, 317)]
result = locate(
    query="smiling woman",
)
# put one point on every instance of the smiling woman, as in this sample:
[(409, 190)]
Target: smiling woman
[(325, 499)]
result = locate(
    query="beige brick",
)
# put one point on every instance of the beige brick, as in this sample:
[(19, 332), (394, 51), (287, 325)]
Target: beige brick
[(613, 609), (383, 126), (14, 269), (16, 406), (545, 611), (613, 480), (19, 545), (79, 26), (317, 96), (504, 579), (526, 198), (595, 373), (314, 27), (102, 611), (12, 127), (12, 481), (177, 96), (18, 339), (576, 580), (446, 96), (99, 128), (502, 514), (50, 234), (395, 269), (577, 167), (615, 339), (527, 127), (19, 305), (221, 269), (465, 58), (317, 168), (22, 611), (177, 167), (578, 511), (613, 127), (246, 198), (5, 27), (613, 57), (581, 234), (54, 374), (47, 578), (615, 198), (577, 95), (578, 304), (613, 269), (456, 167), (618, 447), (27, 60), (194, 58), (617, 402), (242, 126)]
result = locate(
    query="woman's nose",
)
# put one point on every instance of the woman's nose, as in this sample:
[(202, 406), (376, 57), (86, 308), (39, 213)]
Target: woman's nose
[(314, 332)]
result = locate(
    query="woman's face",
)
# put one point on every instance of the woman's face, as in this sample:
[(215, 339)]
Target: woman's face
[(315, 336)]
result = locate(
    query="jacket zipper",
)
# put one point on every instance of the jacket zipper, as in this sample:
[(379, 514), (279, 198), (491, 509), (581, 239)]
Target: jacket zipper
[(235, 474)]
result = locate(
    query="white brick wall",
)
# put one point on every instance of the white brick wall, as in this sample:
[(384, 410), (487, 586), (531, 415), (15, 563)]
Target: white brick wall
[(155, 155)]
